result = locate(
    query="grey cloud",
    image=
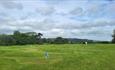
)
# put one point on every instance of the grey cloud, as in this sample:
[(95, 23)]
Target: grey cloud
[(4, 20), (54, 1), (95, 32), (51, 28), (86, 25), (11, 29), (11, 4), (6, 31), (100, 23), (45, 10), (49, 24), (28, 15), (2, 14), (45, 24), (77, 11), (102, 0), (95, 10)]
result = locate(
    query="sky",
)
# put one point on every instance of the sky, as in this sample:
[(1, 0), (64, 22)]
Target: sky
[(85, 19)]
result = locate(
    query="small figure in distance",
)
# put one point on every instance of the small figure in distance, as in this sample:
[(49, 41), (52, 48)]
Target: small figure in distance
[(46, 55), (85, 43)]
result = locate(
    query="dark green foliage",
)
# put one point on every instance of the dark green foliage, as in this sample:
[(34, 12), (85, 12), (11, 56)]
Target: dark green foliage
[(18, 38), (103, 42), (38, 37), (27, 38), (21, 38), (60, 40), (113, 40), (7, 40)]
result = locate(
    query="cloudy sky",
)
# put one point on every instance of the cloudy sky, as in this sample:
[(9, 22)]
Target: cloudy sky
[(89, 19)]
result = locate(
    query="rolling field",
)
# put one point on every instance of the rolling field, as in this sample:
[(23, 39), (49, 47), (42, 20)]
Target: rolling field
[(61, 57)]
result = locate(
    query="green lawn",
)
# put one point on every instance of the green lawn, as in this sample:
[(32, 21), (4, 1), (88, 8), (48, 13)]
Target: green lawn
[(61, 57)]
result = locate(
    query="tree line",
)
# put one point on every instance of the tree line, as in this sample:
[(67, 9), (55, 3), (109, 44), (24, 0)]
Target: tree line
[(113, 40), (18, 38)]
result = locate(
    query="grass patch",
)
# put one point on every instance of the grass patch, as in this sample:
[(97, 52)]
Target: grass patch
[(61, 57)]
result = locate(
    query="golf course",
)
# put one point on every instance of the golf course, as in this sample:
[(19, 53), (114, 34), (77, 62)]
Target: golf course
[(59, 57)]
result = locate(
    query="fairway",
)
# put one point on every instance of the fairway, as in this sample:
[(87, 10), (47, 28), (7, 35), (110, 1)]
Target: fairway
[(61, 57)]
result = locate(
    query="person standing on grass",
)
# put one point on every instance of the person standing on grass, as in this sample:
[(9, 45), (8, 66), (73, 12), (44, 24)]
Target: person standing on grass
[(85, 43), (46, 55)]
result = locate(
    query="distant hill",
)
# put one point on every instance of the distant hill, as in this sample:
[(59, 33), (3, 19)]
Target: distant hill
[(74, 40), (77, 40)]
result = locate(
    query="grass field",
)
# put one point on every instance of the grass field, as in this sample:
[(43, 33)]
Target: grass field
[(61, 57)]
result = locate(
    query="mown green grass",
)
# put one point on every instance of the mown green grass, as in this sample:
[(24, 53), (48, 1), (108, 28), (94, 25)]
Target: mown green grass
[(61, 57)]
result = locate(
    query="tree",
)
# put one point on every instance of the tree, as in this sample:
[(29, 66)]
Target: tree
[(32, 36), (113, 40), (60, 40), (27, 38), (31, 33), (38, 37), (44, 40), (7, 40), (21, 38), (16, 33)]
